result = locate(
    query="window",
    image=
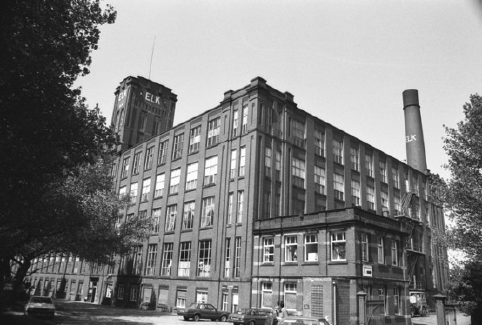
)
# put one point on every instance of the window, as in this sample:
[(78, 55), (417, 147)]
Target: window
[(298, 172), (239, 215), (339, 186), (146, 189), (365, 247), (204, 263), (227, 258), (133, 192), (171, 218), (277, 201), (298, 129), (235, 124), (396, 300), (202, 297), (355, 193), (298, 205), (151, 259), (143, 214), (338, 151), (267, 204), (211, 170), (384, 200), (242, 161), (277, 165), (383, 296), (394, 252), (311, 248), (383, 171), (184, 259), (122, 192), (159, 185), (268, 250), (232, 171), (214, 127), (188, 217), (207, 216), (291, 249), (338, 246), (191, 178), (177, 146), (120, 291), (380, 250), (355, 158), (166, 258), (148, 158), (134, 293), (370, 197), (320, 143), (237, 257), (290, 295), (244, 129), (162, 152), (369, 164), (156, 216), (267, 162), (266, 295), (395, 177), (136, 163), (125, 167), (194, 139), (175, 179), (230, 208), (137, 260), (181, 298), (320, 180), (396, 205)]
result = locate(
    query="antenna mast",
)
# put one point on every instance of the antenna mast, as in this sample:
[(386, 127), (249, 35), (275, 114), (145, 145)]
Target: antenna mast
[(152, 54)]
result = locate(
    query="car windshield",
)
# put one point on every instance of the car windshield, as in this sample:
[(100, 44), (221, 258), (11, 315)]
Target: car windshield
[(193, 305), (43, 300), (304, 322), (244, 311)]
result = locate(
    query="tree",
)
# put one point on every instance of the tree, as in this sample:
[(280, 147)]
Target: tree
[(463, 201), (56, 192)]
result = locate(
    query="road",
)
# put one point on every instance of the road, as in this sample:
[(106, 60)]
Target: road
[(81, 313)]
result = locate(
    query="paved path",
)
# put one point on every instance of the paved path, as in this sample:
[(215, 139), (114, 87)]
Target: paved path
[(432, 319)]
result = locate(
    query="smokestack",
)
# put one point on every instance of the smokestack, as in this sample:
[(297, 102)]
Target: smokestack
[(415, 144)]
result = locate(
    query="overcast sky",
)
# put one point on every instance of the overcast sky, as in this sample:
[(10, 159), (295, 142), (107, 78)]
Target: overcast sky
[(346, 62)]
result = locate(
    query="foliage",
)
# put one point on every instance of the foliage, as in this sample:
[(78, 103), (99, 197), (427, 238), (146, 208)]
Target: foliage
[(463, 202), (56, 192), (464, 195)]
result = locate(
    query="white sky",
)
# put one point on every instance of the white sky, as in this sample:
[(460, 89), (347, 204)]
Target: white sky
[(346, 62)]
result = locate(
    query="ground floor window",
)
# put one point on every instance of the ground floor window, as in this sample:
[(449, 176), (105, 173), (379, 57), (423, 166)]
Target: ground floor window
[(201, 296), (267, 295), (181, 298), (290, 295), (396, 300), (133, 293), (225, 301), (120, 292), (235, 302)]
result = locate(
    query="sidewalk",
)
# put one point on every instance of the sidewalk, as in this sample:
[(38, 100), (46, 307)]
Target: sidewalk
[(432, 319)]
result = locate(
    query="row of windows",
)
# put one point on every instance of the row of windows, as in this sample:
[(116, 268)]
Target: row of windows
[(232, 259), (208, 209), (338, 246), (210, 177)]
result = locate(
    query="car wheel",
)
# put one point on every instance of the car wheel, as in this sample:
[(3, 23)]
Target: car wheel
[(224, 318), (196, 318), (251, 323), (186, 318), (412, 312), (424, 312)]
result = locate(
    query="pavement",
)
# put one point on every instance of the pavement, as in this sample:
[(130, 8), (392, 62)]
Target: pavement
[(431, 319)]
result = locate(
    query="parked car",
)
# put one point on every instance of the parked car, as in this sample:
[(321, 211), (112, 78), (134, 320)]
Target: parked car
[(199, 310), (250, 316), (40, 306), (418, 304), (300, 320)]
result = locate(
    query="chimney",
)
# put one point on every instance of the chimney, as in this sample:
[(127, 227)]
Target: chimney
[(415, 144)]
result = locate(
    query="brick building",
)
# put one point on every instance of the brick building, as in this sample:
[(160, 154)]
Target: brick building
[(256, 201)]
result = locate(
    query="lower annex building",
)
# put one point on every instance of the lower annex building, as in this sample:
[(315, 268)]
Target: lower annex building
[(256, 201)]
